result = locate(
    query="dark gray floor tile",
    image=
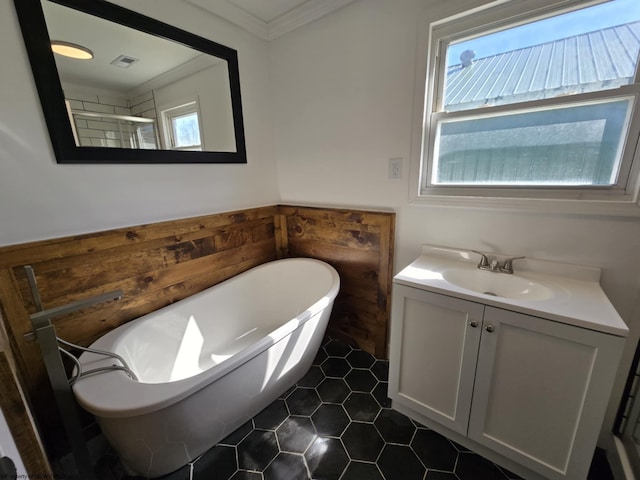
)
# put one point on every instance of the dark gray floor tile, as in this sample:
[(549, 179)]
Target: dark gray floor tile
[(335, 367), (257, 450), (395, 427), (106, 468), (326, 459), (435, 475), (381, 370), (380, 393), (272, 416), (312, 378), (362, 471), (303, 401), (288, 466), (597, 473), (460, 448), (295, 434), (219, 463), (237, 436), (320, 357), (362, 441), (600, 468), (287, 392), (398, 462), (360, 380), (336, 348), (333, 390), (330, 419), (360, 359), (471, 467), (362, 407), (435, 451), (244, 475), (183, 473)]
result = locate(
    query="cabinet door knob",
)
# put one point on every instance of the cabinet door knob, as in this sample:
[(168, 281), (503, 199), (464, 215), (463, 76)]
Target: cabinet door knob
[(473, 324), (489, 328)]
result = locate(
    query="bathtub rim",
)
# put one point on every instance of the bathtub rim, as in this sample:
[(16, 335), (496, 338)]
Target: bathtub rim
[(101, 394)]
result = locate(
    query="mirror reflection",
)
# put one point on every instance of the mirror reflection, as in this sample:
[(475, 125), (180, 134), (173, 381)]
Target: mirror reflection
[(137, 90)]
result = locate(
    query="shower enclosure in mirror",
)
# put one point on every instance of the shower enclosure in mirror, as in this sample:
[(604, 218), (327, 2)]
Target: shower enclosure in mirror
[(122, 87)]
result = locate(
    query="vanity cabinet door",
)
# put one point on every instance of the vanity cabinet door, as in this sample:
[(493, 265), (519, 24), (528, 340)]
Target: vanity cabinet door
[(541, 391), (433, 352)]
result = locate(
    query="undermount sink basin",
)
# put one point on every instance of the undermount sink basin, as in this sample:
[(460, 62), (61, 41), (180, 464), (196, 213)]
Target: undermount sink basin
[(498, 284)]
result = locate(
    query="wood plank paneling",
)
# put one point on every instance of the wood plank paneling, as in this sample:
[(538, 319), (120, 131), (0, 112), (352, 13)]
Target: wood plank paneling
[(157, 264), (154, 265), (26, 253), (18, 417), (359, 244)]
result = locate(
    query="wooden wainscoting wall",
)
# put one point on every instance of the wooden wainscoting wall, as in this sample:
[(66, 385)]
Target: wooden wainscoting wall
[(154, 265), (18, 417), (157, 264), (359, 244)]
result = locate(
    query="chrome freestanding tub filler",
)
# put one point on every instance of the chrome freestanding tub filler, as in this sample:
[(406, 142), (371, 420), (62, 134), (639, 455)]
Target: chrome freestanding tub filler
[(208, 363)]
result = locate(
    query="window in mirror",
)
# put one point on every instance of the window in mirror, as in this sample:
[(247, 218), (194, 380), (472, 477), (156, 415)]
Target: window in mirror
[(182, 127)]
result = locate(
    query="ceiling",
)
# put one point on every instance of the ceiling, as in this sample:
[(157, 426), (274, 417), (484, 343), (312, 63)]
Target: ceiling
[(267, 10), (268, 19)]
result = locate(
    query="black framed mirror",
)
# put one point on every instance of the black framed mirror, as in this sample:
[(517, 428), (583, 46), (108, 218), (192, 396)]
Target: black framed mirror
[(149, 93)]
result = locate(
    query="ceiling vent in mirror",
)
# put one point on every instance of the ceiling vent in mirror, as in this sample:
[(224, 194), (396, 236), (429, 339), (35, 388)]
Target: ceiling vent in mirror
[(124, 61)]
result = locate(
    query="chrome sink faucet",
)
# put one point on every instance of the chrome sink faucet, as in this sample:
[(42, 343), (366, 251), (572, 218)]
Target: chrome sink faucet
[(494, 265)]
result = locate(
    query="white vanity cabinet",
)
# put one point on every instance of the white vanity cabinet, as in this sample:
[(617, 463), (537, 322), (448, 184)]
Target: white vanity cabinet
[(433, 354), (509, 385)]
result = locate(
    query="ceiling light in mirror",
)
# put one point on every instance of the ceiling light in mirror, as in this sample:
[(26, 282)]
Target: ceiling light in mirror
[(71, 50)]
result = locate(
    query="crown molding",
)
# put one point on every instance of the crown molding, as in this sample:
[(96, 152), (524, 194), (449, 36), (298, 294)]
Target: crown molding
[(235, 15), (303, 14), (295, 18)]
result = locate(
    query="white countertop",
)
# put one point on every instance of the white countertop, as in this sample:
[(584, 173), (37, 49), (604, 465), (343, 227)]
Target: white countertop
[(577, 296)]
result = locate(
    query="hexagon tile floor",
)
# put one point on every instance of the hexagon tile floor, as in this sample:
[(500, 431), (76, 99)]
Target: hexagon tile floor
[(337, 424)]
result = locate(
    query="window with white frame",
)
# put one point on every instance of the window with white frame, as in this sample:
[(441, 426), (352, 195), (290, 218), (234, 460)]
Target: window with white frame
[(531, 98), (181, 127)]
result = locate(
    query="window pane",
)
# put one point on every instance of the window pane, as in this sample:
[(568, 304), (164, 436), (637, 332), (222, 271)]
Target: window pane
[(588, 50), (574, 145), (186, 131)]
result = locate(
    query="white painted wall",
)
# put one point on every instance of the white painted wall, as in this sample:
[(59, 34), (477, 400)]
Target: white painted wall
[(210, 87), (343, 105), (42, 199)]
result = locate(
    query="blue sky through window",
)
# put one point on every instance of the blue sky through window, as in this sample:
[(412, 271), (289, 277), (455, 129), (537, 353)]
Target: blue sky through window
[(588, 19)]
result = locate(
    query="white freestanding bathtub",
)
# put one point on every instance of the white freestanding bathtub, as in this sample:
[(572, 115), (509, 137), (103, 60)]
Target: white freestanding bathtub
[(208, 363)]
